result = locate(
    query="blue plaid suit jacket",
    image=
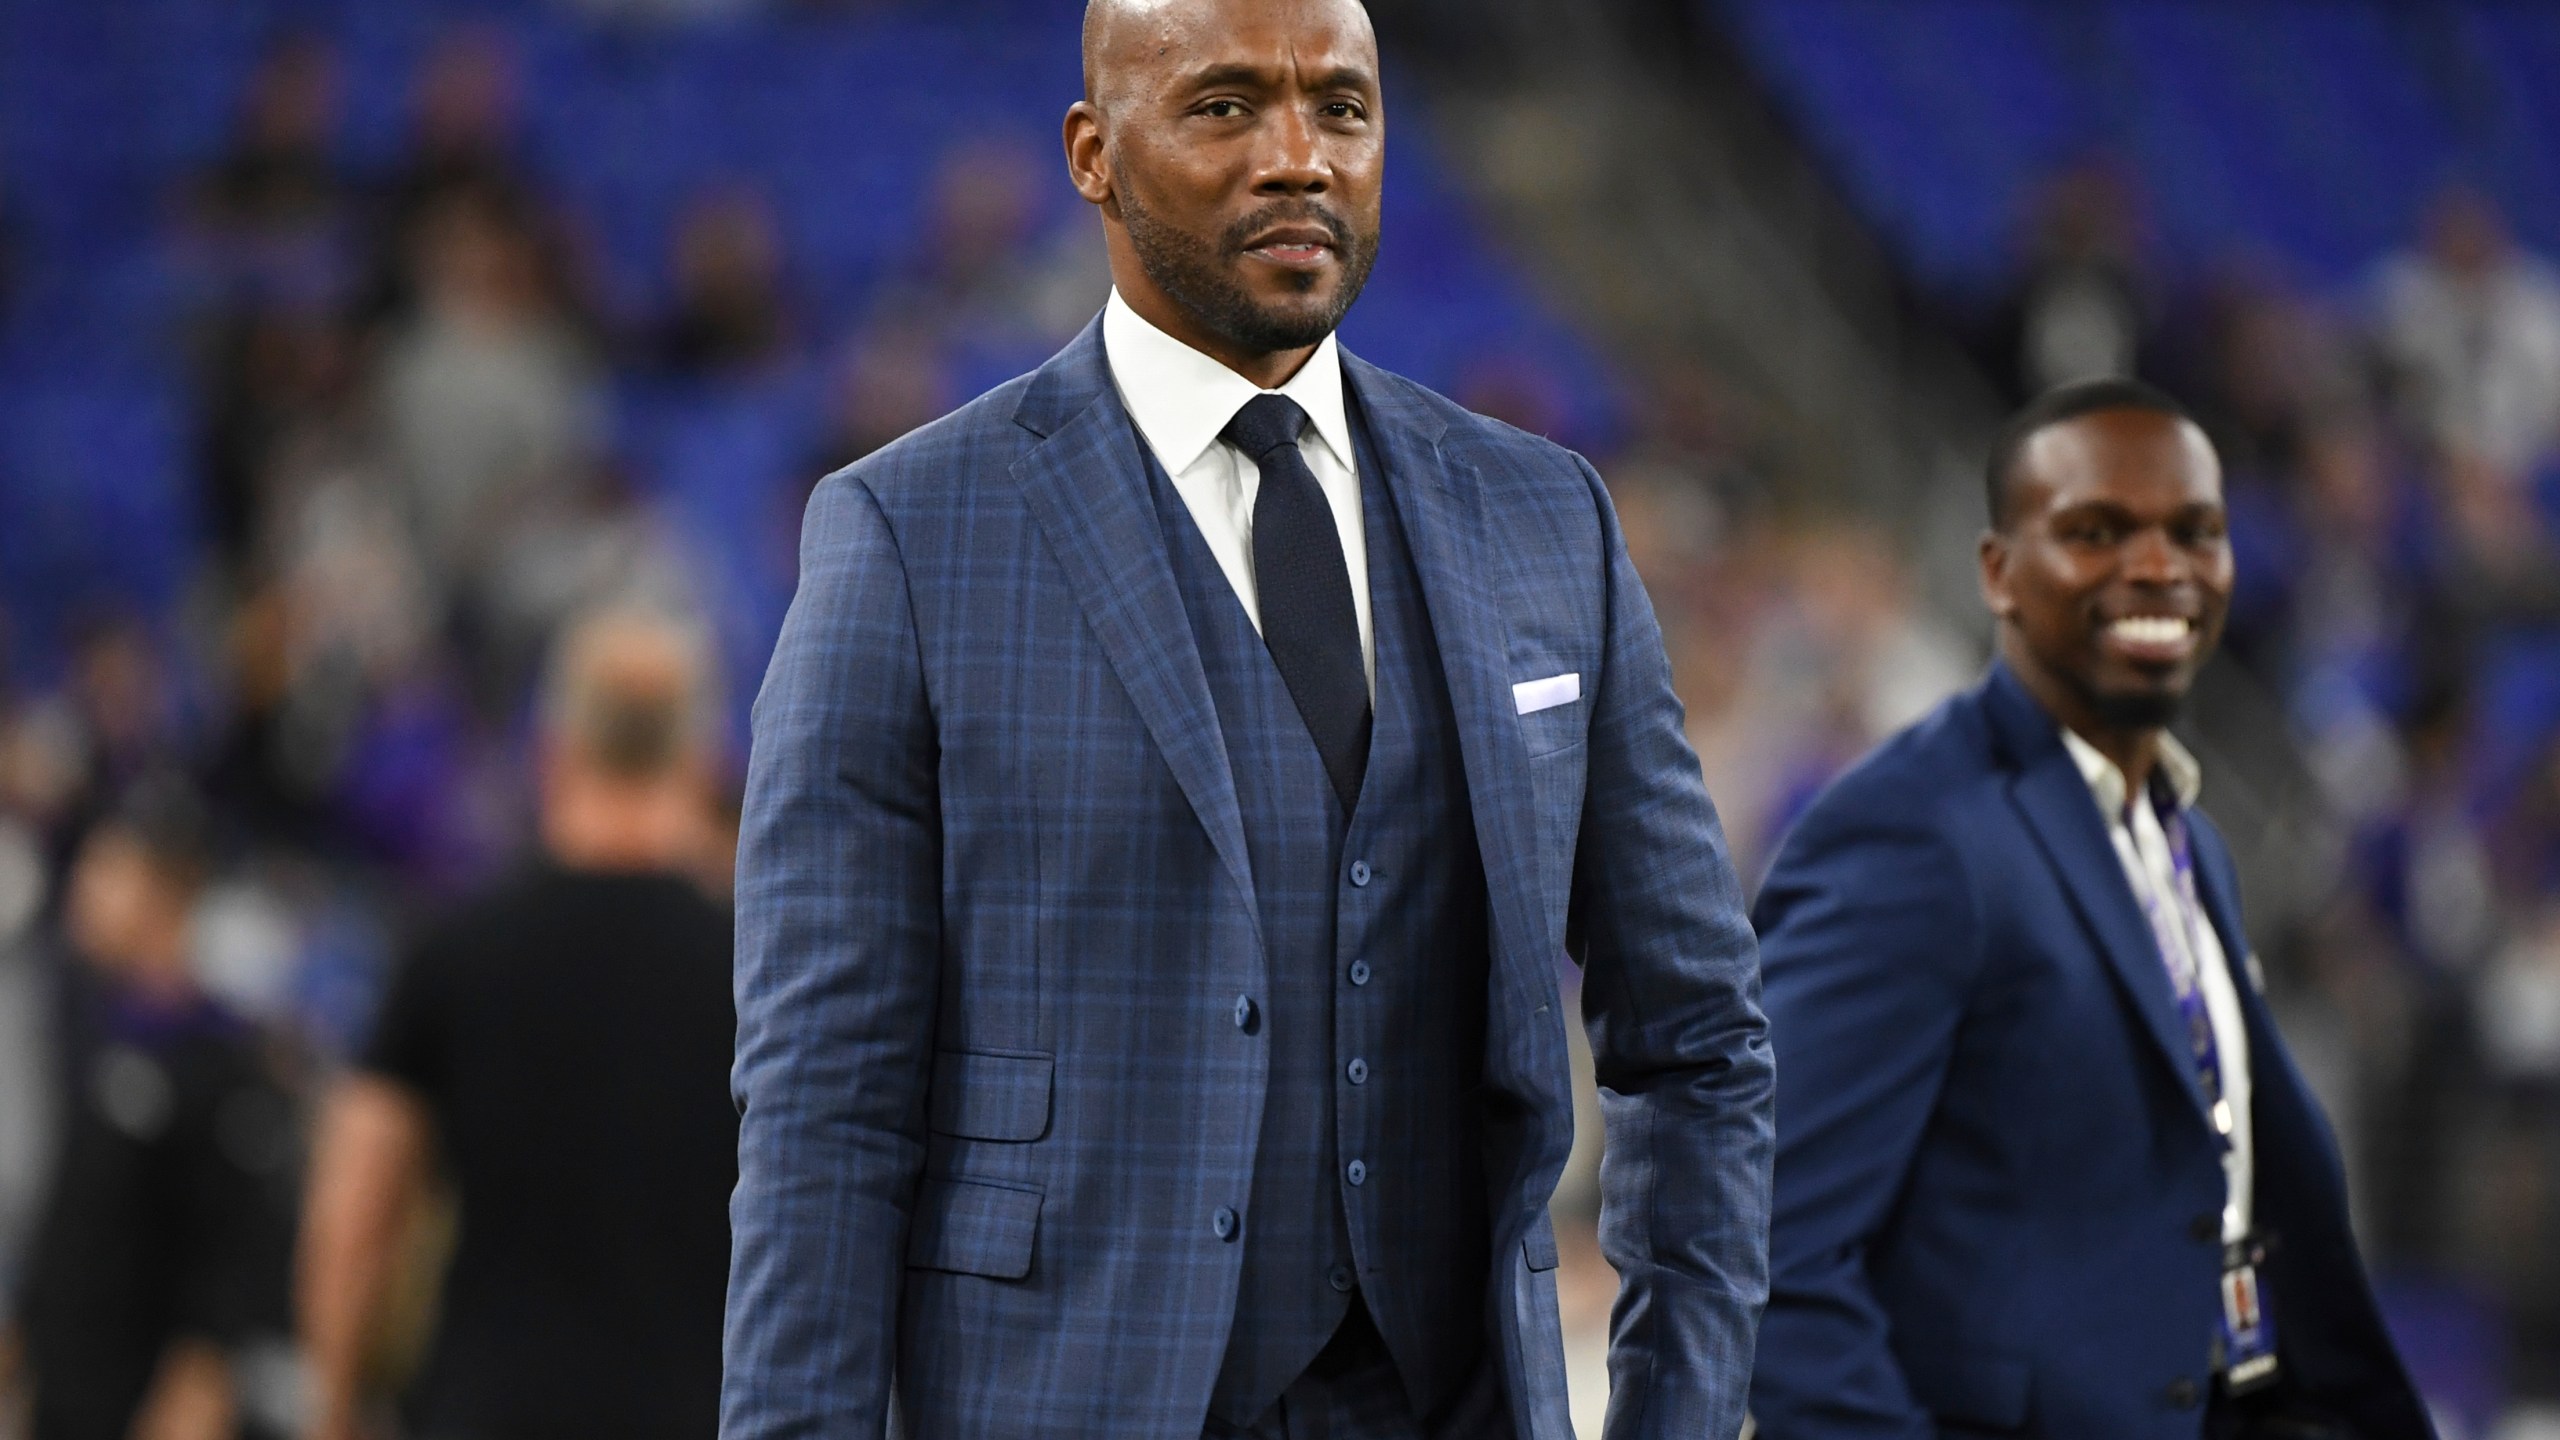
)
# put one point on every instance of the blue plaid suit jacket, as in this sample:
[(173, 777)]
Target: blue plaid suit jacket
[(994, 912)]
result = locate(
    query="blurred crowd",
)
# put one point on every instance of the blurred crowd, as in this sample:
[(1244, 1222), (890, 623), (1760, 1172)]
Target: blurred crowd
[(221, 828)]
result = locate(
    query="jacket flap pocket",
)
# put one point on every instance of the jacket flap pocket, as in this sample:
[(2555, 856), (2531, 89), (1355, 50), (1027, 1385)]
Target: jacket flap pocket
[(979, 1096), (1538, 1248), (1971, 1390), (973, 1229)]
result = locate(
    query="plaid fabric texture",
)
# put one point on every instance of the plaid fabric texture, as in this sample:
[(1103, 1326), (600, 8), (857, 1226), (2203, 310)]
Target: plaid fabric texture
[(995, 910)]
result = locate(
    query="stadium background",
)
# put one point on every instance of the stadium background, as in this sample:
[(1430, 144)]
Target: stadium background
[(346, 348)]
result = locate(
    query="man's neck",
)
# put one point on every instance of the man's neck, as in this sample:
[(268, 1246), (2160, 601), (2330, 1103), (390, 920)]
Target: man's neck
[(2133, 749), (597, 826), (1267, 369)]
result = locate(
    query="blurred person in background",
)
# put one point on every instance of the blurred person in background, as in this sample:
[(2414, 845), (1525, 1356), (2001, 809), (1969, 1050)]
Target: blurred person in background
[(272, 228), (463, 141), (558, 1053), (2470, 326), (731, 315), (154, 1297), (489, 401), (28, 1107), (1176, 782), (2083, 309), (2045, 1166)]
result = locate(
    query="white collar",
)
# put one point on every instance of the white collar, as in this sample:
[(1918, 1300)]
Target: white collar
[(2176, 762), (1181, 398)]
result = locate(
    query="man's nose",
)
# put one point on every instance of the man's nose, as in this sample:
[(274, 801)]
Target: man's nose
[(1292, 161), (2151, 558)]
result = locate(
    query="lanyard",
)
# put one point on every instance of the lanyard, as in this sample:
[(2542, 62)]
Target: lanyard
[(2182, 950)]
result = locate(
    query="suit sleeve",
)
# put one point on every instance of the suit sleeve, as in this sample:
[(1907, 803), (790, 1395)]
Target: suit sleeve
[(1869, 941), (839, 930), (1671, 1000)]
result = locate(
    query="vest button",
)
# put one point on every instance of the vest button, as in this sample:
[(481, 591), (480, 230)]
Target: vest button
[(1246, 1014), (1359, 972), (1360, 872), (1358, 1070), (1223, 1223), (2183, 1394), (1340, 1278), (1357, 1172)]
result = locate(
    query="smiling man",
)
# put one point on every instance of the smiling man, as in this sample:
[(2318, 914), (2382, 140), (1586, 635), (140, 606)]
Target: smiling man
[(2044, 1167), (1177, 780)]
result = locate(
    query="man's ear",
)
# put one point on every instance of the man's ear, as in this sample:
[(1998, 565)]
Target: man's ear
[(1991, 554), (1088, 159)]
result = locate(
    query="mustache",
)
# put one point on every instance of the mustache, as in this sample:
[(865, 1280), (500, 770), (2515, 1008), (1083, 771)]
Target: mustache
[(1290, 212)]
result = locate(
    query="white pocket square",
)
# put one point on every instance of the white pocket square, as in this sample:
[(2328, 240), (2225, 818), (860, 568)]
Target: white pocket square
[(1532, 696)]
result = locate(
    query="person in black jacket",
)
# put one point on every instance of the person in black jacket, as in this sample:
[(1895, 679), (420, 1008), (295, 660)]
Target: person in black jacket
[(160, 1259)]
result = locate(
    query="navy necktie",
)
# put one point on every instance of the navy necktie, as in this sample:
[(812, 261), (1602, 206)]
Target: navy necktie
[(1304, 589)]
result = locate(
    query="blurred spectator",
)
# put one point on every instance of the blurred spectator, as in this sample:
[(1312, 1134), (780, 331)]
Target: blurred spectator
[(890, 380), (560, 1051), (488, 397), (731, 316), (65, 756), (156, 1285), (2471, 328), (463, 142), (272, 230), (27, 1010), (981, 268), (2082, 308), (273, 215)]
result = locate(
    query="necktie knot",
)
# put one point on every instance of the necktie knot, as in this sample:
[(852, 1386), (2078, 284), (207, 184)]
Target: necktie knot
[(1266, 423)]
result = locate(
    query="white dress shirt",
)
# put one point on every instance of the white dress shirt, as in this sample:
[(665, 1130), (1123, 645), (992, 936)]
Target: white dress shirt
[(1181, 399), (2142, 847)]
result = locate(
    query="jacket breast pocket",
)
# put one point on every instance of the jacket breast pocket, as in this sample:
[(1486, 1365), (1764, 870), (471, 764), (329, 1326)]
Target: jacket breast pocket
[(973, 1229), (977, 1095), (1552, 709)]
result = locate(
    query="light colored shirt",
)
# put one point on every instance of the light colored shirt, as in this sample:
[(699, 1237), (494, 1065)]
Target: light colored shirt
[(2142, 847), (1181, 399)]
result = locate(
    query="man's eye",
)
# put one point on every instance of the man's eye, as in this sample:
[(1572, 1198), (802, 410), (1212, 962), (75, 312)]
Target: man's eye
[(1222, 109), (1344, 110)]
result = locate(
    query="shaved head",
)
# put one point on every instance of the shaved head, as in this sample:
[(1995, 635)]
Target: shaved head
[(1122, 30), (1236, 150)]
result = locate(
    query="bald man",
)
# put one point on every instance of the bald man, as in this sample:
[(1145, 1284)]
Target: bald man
[(1178, 780)]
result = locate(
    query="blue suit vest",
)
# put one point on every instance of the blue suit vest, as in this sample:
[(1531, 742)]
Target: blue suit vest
[(1368, 1172)]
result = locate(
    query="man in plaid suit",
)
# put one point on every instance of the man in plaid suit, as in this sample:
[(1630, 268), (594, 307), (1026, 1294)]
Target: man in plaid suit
[(1177, 778)]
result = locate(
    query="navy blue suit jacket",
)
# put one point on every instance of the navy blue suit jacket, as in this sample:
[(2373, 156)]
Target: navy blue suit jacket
[(1998, 1192), (995, 910)]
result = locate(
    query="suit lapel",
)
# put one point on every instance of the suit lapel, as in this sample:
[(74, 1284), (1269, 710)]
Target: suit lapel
[(1086, 486), (1438, 499), (2059, 809)]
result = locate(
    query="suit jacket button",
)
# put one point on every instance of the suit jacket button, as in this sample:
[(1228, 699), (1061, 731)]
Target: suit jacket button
[(1246, 1014), (1360, 872), (2205, 1229), (1340, 1278), (2184, 1394), (1359, 972), (1223, 1223)]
